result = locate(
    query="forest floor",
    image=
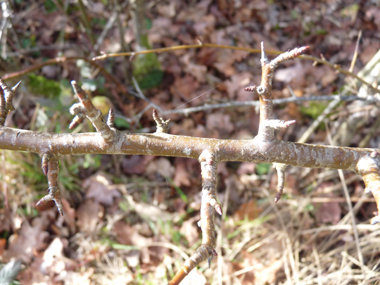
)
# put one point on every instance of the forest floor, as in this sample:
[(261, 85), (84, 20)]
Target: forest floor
[(133, 219)]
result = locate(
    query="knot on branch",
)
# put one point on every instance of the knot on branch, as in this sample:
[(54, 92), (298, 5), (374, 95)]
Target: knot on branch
[(162, 125), (261, 90)]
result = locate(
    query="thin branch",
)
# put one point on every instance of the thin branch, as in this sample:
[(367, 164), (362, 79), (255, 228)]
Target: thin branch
[(52, 175), (209, 205), (339, 69), (356, 52), (85, 21), (232, 104), (172, 48), (94, 115)]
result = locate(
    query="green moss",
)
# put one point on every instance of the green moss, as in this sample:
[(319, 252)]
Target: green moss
[(147, 68), (313, 110), (41, 86)]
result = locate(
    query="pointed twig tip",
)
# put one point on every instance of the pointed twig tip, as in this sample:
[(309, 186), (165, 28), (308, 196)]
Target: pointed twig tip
[(15, 88), (218, 209)]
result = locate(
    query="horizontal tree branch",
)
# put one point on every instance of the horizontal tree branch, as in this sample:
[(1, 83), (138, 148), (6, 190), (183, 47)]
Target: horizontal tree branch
[(161, 144), (263, 148)]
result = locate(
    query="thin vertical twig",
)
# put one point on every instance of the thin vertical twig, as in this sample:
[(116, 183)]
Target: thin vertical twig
[(356, 52)]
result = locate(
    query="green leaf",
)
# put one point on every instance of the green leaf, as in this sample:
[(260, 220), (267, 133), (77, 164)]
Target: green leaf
[(151, 79), (49, 6), (262, 168), (121, 123)]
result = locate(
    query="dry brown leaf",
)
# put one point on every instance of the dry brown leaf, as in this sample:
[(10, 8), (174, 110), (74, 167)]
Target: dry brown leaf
[(69, 216), (181, 176), (88, 216), (149, 211), (184, 87), (100, 188), (294, 74), (23, 244), (220, 122), (329, 212), (125, 234), (190, 231), (248, 211), (268, 274), (236, 84), (136, 164), (167, 10), (161, 166), (197, 70)]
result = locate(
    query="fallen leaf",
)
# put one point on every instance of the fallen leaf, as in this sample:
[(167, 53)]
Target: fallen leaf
[(185, 87), (329, 212), (190, 231), (294, 74), (125, 234), (248, 211), (235, 86), (220, 122), (181, 176), (23, 244), (88, 216), (100, 188), (149, 211), (135, 164), (161, 166)]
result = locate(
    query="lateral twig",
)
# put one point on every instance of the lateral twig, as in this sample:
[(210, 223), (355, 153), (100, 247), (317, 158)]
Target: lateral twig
[(209, 205)]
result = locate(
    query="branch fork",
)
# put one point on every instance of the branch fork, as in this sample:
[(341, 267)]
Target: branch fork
[(263, 148), (50, 167)]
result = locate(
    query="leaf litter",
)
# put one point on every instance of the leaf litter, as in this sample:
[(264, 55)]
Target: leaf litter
[(298, 241)]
